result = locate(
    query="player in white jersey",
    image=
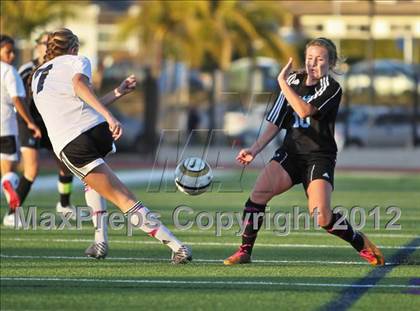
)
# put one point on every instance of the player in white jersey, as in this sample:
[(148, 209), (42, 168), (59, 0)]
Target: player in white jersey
[(82, 131), (12, 92), (30, 147)]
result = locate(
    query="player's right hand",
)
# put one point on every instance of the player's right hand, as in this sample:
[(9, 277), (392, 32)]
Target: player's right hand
[(115, 127), (35, 129), (245, 156)]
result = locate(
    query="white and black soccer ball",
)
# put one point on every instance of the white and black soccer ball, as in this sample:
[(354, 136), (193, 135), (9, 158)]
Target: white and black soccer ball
[(12, 177), (193, 176)]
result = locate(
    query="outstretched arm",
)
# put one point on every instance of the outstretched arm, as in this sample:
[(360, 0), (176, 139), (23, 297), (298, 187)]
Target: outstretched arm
[(127, 86), (246, 156)]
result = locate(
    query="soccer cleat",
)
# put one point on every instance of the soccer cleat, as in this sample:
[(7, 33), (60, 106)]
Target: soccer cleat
[(182, 256), (239, 257), (66, 210), (97, 250), (371, 253), (12, 197), (12, 220)]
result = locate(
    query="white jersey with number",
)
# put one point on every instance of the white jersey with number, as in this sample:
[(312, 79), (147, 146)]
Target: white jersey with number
[(66, 116), (11, 86)]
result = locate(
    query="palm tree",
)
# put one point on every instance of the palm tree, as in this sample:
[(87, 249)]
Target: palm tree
[(234, 27), (166, 29), (190, 31), (20, 18)]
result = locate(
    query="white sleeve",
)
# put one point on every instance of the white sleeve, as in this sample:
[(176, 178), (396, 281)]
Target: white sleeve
[(14, 84), (82, 65)]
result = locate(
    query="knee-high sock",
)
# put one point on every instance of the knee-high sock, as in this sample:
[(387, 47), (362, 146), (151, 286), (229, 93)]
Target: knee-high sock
[(347, 234), (253, 218), (64, 187), (141, 217), (23, 188), (99, 214)]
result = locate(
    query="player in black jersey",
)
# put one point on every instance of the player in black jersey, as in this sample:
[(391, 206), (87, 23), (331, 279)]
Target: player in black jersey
[(30, 146), (306, 107)]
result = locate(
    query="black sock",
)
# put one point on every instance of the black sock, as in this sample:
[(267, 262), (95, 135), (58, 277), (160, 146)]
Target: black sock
[(347, 234), (23, 188), (65, 188), (251, 229)]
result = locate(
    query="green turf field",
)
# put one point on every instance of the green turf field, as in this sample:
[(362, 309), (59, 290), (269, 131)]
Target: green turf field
[(307, 269)]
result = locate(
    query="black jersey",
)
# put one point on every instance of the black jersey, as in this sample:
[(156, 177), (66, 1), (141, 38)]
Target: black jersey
[(314, 134), (25, 72)]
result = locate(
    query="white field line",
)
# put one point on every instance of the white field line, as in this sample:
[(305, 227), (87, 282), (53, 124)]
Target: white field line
[(201, 260), (129, 177), (206, 243), (203, 282), (322, 233), (376, 235)]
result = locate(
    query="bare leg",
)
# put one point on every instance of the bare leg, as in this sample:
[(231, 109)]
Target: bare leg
[(273, 180), (319, 196), (103, 180), (7, 166), (30, 161), (108, 185)]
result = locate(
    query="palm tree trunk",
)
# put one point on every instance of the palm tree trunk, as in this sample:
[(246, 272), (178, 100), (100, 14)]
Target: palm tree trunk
[(151, 104)]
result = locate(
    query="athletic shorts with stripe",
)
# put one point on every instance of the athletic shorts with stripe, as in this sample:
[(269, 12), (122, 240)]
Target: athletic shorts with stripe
[(9, 148), (305, 168), (87, 150)]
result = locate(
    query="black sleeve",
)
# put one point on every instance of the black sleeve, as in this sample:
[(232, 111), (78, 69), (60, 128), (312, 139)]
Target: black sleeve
[(25, 72), (278, 112), (327, 96)]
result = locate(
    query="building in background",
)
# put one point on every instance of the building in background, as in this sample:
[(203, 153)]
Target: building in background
[(393, 25)]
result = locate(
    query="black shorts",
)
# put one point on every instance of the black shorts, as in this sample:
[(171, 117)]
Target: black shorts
[(27, 139), (305, 168), (87, 150), (8, 148)]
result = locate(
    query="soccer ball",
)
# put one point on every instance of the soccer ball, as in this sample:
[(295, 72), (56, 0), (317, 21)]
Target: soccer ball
[(193, 176), (13, 178)]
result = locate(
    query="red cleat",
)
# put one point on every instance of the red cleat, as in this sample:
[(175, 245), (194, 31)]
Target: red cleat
[(11, 195), (371, 253), (240, 257)]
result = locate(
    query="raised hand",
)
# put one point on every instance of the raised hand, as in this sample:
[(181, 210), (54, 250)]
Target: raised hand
[(285, 72), (127, 86), (245, 156)]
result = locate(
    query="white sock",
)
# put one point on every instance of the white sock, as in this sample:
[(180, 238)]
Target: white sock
[(99, 214), (153, 228)]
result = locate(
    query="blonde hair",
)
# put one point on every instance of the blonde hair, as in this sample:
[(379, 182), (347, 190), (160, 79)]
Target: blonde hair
[(60, 42), (333, 57)]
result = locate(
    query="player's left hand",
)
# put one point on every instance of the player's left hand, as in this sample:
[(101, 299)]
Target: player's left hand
[(285, 72), (127, 86)]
